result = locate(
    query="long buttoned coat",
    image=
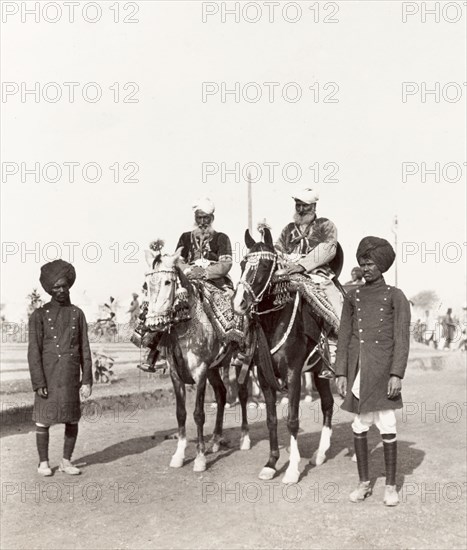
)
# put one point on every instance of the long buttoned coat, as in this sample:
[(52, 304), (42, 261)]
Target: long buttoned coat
[(374, 337), (58, 354)]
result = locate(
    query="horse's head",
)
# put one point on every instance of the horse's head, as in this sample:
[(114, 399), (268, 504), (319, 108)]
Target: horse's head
[(257, 269), (161, 281)]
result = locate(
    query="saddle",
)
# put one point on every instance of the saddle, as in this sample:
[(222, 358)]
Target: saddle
[(217, 305), (311, 289), (284, 286)]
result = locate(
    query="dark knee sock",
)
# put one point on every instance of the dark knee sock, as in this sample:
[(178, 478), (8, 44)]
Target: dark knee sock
[(42, 442), (390, 457), (361, 450), (71, 433)]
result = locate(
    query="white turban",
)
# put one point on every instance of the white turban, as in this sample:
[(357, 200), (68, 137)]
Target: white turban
[(205, 205), (307, 195)]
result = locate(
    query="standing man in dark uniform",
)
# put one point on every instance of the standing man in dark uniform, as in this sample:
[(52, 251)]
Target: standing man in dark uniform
[(372, 353), (134, 310), (449, 329), (59, 362)]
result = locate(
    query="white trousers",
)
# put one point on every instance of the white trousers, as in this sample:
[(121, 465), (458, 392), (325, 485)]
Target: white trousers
[(385, 422)]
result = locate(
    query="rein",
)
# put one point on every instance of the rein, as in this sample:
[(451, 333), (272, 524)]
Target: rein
[(177, 308), (253, 259), (289, 328)]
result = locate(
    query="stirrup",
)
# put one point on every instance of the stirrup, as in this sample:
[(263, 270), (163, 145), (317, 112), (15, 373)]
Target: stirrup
[(146, 367), (327, 373), (238, 359)]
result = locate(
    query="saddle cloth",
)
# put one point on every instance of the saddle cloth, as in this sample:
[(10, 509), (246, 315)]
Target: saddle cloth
[(217, 305), (313, 290)]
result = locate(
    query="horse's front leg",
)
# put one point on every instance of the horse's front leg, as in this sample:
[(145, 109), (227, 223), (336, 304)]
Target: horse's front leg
[(269, 470), (200, 417), (179, 388), (245, 442), (220, 393), (294, 382), (327, 404)]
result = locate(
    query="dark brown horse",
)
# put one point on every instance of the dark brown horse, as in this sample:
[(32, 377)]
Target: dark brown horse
[(292, 332), (192, 346)]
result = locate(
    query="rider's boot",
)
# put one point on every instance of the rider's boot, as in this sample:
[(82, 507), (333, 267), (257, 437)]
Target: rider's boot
[(149, 363), (327, 371)]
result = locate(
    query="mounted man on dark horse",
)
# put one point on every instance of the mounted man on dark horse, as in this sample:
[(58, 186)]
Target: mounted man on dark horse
[(309, 246), (291, 292)]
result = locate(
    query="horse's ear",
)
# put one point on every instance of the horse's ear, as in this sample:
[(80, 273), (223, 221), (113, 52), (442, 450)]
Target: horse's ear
[(268, 237), (249, 241), (150, 255)]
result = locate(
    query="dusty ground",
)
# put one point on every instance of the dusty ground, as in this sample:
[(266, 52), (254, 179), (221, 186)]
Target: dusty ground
[(128, 497)]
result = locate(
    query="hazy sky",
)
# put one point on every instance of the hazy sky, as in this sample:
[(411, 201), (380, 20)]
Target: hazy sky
[(352, 123)]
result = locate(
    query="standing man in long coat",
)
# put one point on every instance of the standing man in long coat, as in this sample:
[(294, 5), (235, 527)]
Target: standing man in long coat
[(449, 329), (60, 364), (372, 353)]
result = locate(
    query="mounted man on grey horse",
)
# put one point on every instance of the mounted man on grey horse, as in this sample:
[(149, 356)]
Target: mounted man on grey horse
[(188, 314), (206, 255)]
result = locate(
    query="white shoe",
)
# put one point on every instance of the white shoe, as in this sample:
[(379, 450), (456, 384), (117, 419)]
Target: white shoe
[(362, 491), (69, 469), (391, 498), (44, 469)]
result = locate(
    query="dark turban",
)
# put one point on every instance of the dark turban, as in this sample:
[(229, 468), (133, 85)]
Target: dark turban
[(53, 271), (379, 250)]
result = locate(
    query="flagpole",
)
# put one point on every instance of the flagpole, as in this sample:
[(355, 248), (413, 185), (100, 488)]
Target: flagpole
[(394, 230), (250, 205)]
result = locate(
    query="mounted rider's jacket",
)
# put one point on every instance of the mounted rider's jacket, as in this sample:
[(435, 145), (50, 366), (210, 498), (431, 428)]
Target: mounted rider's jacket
[(212, 251), (311, 246)]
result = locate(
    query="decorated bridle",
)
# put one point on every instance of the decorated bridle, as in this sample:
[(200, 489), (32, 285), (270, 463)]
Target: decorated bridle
[(178, 308), (253, 259)]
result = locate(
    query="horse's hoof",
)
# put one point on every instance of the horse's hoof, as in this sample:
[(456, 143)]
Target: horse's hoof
[(200, 464), (176, 462), (318, 459), (267, 473), (291, 476), (245, 443)]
